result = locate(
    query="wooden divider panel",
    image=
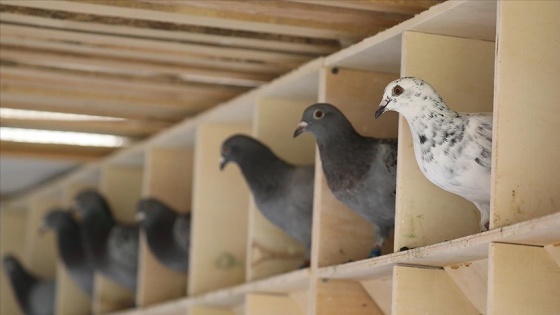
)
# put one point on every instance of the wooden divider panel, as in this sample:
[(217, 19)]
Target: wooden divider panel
[(427, 291), (472, 280), (461, 70), (522, 280), (381, 291), (70, 299), (340, 234), (122, 186), (336, 297), (220, 214), (13, 222), (207, 310), (40, 249), (168, 177), (554, 251), (270, 250), (260, 304), (526, 172)]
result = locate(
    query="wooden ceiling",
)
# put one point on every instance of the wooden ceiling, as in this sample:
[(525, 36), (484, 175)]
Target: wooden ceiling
[(156, 62)]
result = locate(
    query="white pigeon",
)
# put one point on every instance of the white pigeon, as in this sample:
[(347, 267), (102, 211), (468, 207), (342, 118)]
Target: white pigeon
[(453, 150)]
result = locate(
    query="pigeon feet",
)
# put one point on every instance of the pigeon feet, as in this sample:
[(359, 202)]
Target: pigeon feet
[(375, 252)]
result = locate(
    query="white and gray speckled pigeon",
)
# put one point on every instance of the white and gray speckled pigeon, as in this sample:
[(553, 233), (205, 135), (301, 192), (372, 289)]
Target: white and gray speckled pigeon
[(112, 247), (35, 296), (283, 192), (360, 171), (70, 247), (453, 150), (167, 233)]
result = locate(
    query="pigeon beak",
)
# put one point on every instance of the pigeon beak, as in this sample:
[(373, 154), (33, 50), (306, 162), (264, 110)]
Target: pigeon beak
[(140, 216), (223, 162), (381, 108), (301, 128)]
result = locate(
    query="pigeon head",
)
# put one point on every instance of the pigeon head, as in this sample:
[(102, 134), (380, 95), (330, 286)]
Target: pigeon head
[(241, 148), (11, 264), (323, 120), (149, 210), (90, 202), (56, 220), (411, 97)]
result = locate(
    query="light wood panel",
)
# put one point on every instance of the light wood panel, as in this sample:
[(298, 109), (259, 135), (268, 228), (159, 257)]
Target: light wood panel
[(522, 280), (258, 304), (122, 186), (472, 280), (220, 205), (270, 250), (13, 223), (344, 297), (341, 233), (461, 70), (168, 178), (381, 292), (554, 251), (53, 151), (526, 178), (202, 310), (427, 291)]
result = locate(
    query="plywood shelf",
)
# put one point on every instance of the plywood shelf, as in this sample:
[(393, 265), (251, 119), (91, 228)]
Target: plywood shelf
[(458, 46)]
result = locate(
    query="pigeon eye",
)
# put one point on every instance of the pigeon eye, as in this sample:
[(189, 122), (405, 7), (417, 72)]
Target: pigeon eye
[(318, 114), (226, 150), (398, 90)]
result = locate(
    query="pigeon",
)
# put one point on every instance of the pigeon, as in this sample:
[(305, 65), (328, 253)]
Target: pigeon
[(360, 171), (70, 247), (34, 295), (112, 247), (453, 150), (283, 192), (167, 233)]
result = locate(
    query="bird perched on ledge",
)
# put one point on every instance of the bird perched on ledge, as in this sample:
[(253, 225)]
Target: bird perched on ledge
[(35, 296), (360, 171), (167, 233), (453, 150), (283, 192)]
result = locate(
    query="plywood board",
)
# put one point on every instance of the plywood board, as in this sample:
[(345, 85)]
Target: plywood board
[(461, 70), (40, 248), (344, 297), (207, 310), (472, 280), (258, 304), (341, 233), (522, 280), (270, 250), (122, 186), (526, 172), (220, 214), (554, 251), (381, 292), (12, 240), (419, 291), (168, 177)]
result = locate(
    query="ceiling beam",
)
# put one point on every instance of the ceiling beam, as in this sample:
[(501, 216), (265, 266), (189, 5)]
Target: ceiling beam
[(406, 7), (53, 151)]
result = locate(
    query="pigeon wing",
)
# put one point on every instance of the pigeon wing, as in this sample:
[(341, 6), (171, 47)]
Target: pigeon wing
[(123, 246), (182, 230)]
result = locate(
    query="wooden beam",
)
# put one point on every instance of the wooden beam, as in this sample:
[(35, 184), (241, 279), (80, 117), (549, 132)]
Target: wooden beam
[(164, 47), (53, 151), (383, 6), (165, 30), (126, 128), (155, 72)]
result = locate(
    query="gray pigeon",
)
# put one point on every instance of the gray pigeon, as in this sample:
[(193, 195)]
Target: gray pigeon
[(283, 192), (71, 248), (167, 233), (35, 296), (360, 171), (453, 150), (112, 247)]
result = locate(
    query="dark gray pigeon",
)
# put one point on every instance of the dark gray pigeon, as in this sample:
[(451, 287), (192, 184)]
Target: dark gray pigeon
[(360, 171), (453, 150), (167, 233), (283, 192), (71, 248), (35, 296), (112, 247)]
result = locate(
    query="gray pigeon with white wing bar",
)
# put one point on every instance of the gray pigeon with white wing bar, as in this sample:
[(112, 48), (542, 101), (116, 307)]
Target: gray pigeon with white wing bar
[(360, 171), (453, 150)]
